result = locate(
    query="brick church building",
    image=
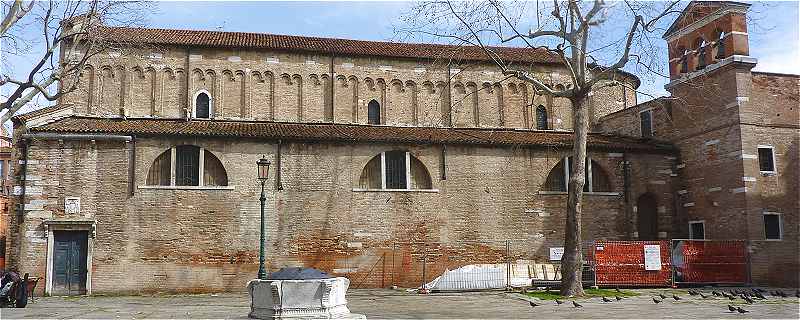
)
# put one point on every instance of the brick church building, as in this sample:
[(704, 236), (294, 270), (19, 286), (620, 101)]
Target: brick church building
[(144, 179)]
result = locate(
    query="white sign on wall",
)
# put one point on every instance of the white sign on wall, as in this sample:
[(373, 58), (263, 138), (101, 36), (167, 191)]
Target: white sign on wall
[(556, 253), (652, 257), (72, 205)]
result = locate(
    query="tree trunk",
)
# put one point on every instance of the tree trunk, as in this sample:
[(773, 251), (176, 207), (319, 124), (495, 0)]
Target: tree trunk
[(572, 260)]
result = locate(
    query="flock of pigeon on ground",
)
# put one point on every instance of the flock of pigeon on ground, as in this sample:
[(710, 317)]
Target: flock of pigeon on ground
[(749, 296)]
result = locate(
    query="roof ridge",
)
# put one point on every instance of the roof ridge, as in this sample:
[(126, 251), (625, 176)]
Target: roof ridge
[(317, 37)]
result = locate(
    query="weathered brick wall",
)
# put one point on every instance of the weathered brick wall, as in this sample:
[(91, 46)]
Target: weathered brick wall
[(718, 121), (296, 87), (207, 240)]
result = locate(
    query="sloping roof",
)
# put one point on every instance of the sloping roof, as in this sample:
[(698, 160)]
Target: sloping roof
[(224, 39), (39, 112), (340, 133), (690, 9)]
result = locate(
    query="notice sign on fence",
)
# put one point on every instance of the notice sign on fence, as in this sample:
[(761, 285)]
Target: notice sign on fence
[(556, 253), (652, 257)]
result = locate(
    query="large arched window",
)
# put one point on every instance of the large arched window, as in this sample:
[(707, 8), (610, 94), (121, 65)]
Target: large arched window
[(541, 118), (596, 178), (684, 59), (202, 105), (701, 53), (720, 44), (395, 170), (192, 166), (373, 112)]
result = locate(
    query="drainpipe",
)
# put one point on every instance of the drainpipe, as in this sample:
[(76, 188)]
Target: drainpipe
[(132, 167), (626, 178)]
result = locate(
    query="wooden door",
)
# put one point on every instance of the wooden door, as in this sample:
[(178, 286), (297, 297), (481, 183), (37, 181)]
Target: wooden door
[(647, 216), (69, 262)]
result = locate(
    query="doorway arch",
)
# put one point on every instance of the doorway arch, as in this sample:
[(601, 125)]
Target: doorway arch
[(647, 216)]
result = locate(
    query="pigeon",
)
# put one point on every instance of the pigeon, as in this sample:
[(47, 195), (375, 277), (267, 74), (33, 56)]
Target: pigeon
[(760, 296), (617, 288), (607, 299), (740, 310), (731, 308), (677, 298), (746, 298), (662, 296), (618, 298), (533, 304), (702, 295), (559, 302), (732, 298), (656, 301), (692, 293), (715, 293), (576, 304)]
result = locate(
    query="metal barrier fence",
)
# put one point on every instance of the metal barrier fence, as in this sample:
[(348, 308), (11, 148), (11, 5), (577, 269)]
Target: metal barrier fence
[(710, 261), (623, 263), (475, 265)]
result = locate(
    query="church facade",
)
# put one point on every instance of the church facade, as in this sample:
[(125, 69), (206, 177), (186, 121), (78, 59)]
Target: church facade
[(144, 179)]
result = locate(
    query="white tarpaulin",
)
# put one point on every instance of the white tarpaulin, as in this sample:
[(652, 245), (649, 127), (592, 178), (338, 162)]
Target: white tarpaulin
[(492, 276)]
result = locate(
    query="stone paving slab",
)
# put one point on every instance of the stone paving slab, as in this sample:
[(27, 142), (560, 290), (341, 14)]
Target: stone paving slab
[(389, 304)]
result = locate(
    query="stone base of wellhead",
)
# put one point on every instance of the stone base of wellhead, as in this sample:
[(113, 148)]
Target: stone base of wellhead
[(300, 299)]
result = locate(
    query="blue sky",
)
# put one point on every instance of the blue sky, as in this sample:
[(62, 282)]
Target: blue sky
[(773, 26)]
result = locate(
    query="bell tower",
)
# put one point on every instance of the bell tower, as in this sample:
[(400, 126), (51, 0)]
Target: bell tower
[(706, 35)]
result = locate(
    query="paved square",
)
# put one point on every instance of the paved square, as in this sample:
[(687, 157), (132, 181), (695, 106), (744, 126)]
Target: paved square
[(388, 304)]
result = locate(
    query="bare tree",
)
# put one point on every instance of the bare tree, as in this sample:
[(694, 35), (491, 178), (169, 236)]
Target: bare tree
[(57, 38), (592, 53)]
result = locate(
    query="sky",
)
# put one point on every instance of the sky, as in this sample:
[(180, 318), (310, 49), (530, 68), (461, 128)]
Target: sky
[(773, 27)]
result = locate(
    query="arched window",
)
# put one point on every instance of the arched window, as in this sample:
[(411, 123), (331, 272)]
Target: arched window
[(395, 170), (373, 112), (720, 44), (193, 166), (701, 53), (202, 105), (541, 118), (596, 178), (684, 59)]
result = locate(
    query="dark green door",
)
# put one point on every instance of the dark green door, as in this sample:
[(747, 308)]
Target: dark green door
[(69, 262)]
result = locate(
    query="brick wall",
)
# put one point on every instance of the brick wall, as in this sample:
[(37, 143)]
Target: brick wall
[(291, 86), (718, 121), (207, 240)]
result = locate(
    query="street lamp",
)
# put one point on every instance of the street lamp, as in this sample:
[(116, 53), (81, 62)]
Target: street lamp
[(263, 175)]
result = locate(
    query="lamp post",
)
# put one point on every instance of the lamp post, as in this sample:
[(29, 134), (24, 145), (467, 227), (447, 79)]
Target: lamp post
[(263, 174)]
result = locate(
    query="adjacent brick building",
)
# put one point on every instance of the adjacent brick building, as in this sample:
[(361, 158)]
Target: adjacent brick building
[(383, 155), (738, 133)]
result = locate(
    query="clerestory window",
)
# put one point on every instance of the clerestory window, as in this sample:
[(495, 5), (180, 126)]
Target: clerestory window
[(192, 166), (395, 170), (596, 178)]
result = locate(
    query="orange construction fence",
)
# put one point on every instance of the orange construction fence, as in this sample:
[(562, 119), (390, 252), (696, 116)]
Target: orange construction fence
[(622, 263), (710, 261)]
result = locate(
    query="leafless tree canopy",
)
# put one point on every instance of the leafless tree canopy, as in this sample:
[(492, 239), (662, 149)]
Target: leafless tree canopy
[(56, 39), (593, 38), (591, 49)]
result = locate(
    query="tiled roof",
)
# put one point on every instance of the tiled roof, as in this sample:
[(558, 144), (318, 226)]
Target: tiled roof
[(340, 132), (39, 112), (223, 39)]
